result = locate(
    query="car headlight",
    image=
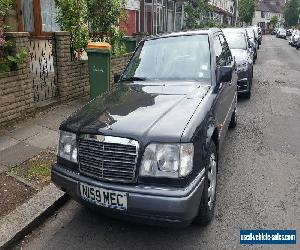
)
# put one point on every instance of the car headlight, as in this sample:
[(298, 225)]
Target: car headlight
[(167, 160), (242, 67), (67, 147)]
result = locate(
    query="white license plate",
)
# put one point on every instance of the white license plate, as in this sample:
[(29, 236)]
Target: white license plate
[(103, 197)]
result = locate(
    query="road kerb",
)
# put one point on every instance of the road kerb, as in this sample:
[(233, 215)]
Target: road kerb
[(28, 216)]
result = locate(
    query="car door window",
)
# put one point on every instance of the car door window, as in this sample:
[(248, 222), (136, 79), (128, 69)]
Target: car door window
[(226, 53), (218, 51)]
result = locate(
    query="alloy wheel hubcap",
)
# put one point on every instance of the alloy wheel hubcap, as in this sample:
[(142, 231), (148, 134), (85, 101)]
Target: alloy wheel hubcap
[(212, 180)]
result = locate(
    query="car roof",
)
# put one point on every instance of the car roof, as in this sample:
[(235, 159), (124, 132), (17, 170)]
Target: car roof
[(234, 30), (185, 33)]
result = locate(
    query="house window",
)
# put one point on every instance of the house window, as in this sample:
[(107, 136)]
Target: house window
[(28, 15), (262, 14), (49, 14), (160, 24), (148, 16), (170, 22), (37, 17), (179, 16), (137, 21)]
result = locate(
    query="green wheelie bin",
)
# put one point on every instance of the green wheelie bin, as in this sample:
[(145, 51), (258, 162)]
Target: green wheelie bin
[(99, 55), (130, 43)]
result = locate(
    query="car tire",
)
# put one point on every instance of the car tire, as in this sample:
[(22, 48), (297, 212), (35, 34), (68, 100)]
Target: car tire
[(297, 48), (233, 120), (248, 94), (208, 197)]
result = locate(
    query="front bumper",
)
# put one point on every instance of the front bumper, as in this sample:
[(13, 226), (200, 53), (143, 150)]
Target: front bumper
[(146, 204), (243, 82)]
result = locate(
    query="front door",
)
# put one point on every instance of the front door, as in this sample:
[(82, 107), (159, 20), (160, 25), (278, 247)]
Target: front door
[(38, 18), (227, 90)]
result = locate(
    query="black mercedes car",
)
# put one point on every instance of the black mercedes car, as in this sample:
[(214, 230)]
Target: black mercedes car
[(149, 150)]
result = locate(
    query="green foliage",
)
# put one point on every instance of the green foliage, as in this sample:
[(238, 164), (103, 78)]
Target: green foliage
[(5, 5), (10, 62), (246, 10), (72, 17), (115, 38), (100, 17), (105, 14), (195, 10), (104, 17), (291, 13), (274, 20)]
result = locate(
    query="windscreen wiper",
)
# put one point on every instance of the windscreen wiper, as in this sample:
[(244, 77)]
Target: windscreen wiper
[(133, 78)]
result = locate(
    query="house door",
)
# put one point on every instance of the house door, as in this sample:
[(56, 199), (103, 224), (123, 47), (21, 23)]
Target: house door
[(38, 18)]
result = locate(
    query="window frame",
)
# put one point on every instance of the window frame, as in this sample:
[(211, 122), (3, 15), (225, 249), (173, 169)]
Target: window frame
[(37, 12)]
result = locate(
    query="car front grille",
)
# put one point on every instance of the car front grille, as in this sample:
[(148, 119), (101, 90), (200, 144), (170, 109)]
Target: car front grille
[(108, 158)]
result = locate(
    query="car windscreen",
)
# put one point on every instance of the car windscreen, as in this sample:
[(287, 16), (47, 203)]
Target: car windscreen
[(236, 40), (171, 58), (250, 33)]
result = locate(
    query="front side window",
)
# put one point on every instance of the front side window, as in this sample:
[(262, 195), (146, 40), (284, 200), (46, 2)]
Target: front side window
[(171, 59)]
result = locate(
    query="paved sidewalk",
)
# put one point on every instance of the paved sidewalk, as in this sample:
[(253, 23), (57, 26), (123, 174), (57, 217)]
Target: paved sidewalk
[(26, 139), (19, 143)]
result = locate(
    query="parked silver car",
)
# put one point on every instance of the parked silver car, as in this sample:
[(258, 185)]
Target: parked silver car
[(253, 41), (281, 33), (295, 38)]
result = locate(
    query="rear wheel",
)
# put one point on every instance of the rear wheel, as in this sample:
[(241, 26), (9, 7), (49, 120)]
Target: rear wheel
[(233, 121), (207, 203)]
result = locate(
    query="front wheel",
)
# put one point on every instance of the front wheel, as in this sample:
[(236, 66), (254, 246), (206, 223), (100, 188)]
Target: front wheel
[(207, 203)]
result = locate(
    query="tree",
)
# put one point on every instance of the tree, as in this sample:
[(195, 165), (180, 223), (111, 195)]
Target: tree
[(100, 17), (5, 5), (72, 17), (246, 10), (194, 12), (291, 13), (274, 21), (104, 17)]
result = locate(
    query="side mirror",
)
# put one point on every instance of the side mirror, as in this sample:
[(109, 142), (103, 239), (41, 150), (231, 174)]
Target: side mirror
[(250, 44), (117, 78), (223, 74)]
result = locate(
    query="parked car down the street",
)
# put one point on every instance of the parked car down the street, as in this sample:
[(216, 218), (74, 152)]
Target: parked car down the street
[(281, 33), (274, 31), (254, 46), (295, 38), (289, 32), (148, 151), (292, 37), (241, 50), (256, 34)]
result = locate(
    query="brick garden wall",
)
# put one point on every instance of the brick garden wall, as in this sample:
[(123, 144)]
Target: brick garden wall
[(16, 92), (72, 76), (16, 87), (118, 64)]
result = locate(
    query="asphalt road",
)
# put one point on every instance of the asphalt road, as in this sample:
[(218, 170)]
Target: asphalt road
[(258, 179)]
